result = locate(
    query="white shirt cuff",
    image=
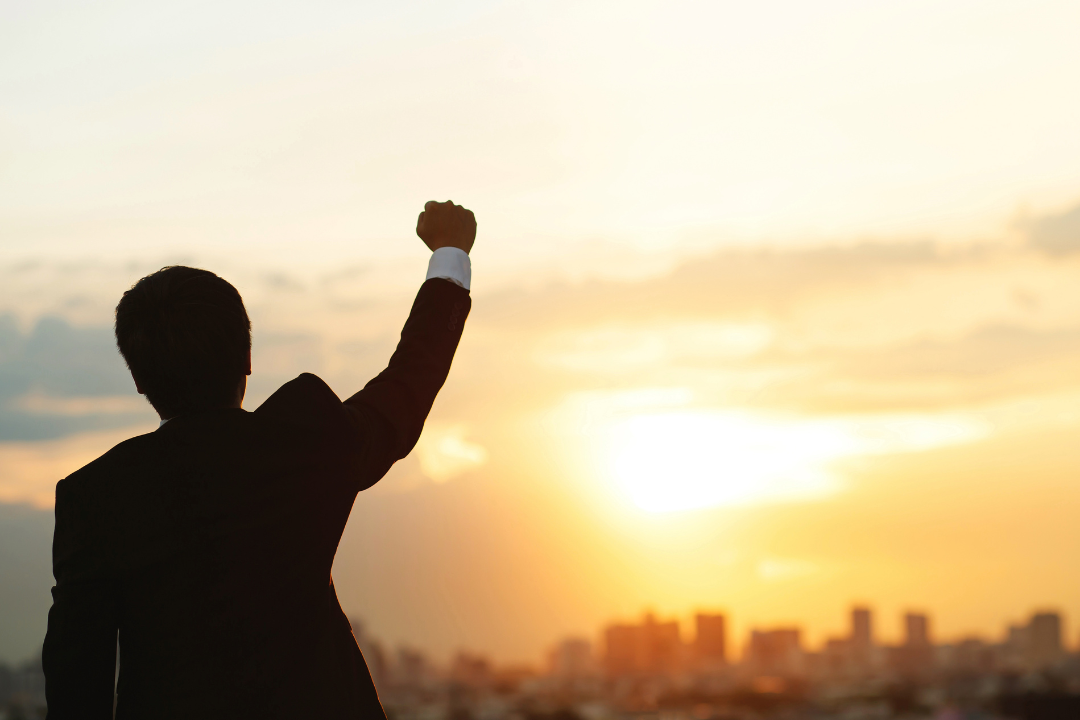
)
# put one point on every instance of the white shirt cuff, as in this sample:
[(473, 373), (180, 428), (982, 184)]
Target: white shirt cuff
[(451, 264)]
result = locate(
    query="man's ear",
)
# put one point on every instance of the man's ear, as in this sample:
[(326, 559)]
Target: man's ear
[(137, 388), (248, 370)]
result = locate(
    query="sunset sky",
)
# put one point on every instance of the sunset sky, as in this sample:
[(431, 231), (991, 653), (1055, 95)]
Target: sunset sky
[(776, 304)]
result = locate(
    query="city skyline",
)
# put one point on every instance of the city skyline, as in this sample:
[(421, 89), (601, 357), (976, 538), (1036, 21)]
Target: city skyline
[(654, 643), (1048, 624)]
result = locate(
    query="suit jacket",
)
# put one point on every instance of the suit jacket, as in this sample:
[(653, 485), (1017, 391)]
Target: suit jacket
[(207, 545)]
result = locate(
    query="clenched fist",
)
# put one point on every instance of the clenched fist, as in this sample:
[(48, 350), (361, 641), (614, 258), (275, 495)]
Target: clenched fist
[(446, 225)]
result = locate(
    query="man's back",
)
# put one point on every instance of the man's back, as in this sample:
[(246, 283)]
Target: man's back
[(209, 544), (224, 526)]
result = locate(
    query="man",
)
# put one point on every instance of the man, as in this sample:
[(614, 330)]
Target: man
[(206, 546)]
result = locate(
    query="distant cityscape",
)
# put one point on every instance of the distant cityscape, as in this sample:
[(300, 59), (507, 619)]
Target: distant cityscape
[(648, 670)]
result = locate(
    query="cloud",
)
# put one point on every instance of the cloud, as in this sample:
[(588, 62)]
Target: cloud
[(622, 348), (775, 569), (1057, 234), (990, 363), (988, 351), (56, 379), (864, 328), (730, 282), (444, 453), (79, 406)]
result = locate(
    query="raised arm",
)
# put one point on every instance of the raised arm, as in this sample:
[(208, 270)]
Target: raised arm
[(393, 406)]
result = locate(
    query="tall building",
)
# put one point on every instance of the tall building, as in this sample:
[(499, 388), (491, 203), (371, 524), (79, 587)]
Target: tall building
[(915, 657), (1044, 640), (916, 630), (861, 642), (1035, 645), (652, 647), (662, 645), (776, 652), (621, 643), (862, 627), (710, 639), (1014, 650)]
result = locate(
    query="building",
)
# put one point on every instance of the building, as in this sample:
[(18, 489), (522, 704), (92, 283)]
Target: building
[(471, 670), (970, 656), (1035, 645), (571, 659), (621, 649), (916, 630), (710, 639), (835, 658), (1014, 649), (775, 652), (1044, 647), (862, 628), (663, 645), (861, 641), (652, 647), (915, 657)]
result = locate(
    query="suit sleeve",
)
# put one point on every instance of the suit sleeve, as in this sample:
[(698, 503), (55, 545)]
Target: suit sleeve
[(79, 656), (391, 409)]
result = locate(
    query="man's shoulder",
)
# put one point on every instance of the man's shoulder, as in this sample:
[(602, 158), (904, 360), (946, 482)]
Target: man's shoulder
[(305, 394), (128, 456), (305, 413)]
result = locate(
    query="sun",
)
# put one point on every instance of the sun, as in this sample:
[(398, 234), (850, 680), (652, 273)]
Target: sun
[(684, 460)]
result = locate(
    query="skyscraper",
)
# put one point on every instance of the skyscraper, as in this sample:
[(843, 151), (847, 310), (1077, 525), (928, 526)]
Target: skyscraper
[(710, 641), (651, 647), (916, 630), (862, 632), (776, 652), (916, 656), (621, 649), (662, 645), (1044, 640), (862, 638)]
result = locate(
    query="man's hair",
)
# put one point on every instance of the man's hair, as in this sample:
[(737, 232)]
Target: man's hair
[(185, 336)]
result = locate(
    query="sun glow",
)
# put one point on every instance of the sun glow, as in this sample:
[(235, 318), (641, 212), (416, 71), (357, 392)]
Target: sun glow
[(685, 460)]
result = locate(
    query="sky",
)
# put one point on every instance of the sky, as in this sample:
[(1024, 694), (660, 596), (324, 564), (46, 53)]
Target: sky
[(776, 305)]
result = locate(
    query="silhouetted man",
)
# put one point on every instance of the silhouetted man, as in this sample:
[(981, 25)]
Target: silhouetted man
[(207, 545)]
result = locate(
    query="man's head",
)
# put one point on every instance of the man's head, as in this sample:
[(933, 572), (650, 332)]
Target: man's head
[(186, 338)]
